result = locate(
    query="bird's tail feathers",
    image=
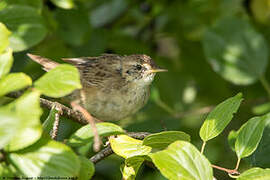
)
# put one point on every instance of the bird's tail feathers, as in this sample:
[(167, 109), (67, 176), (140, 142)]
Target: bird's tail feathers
[(46, 63)]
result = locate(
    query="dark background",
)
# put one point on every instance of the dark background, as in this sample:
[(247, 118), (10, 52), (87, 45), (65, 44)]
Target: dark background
[(171, 32)]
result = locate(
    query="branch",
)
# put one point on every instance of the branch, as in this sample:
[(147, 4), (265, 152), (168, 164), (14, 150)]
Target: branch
[(108, 150), (68, 112)]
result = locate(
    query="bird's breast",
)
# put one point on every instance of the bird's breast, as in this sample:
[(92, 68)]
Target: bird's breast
[(116, 104)]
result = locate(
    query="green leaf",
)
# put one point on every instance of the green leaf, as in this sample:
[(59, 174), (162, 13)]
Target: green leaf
[(35, 4), (261, 109), (26, 25), (28, 110), (163, 139), (240, 57), (6, 60), (14, 82), (59, 81), (255, 174), (220, 117), (48, 123), (87, 169), (9, 124), (5, 171), (249, 136), (131, 167), (127, 147), (73, 26), (181, 160), (258, 157), (85, 134), (112, 9), (4, 35), (232, 138), (46, 158), (65, 4)]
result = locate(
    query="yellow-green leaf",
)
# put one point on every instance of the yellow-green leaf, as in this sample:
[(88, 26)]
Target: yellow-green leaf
[(59, 81), (4, 35), (255, 174), (6, 60), (181, 160), (127, 147), (14, 82)]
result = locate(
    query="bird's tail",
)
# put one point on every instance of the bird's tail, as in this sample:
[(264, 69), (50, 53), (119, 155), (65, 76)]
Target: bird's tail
[(46, 63)]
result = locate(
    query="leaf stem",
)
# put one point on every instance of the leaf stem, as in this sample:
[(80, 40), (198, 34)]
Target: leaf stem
[(203, 146), (164, 106), (265, 84), (237, 164), (229, 171)]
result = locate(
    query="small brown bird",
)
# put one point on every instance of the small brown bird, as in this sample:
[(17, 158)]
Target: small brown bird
[(114, 86)]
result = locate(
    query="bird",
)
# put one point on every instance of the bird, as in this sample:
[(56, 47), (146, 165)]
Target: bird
[(115, 86)]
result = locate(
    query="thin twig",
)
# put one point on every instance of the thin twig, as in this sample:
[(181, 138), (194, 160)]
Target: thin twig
[(91, 121), (265, 84), (56, 121), (229, 171), (68, 112), (108, 150)]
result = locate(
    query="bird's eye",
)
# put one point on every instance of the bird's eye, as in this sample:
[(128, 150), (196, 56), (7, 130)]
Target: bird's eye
[(138, 67)]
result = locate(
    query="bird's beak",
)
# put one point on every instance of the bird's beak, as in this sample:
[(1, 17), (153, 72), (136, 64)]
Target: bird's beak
[(157, 70)]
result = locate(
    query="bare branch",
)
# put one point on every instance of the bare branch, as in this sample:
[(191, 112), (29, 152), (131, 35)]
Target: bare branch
[(68, 112)]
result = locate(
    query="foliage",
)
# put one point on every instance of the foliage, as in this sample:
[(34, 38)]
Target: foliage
[(212, 49)]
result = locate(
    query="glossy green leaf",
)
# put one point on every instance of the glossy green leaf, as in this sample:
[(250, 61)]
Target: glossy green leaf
[(220, 117), (6, 60), (9, 124), (59, 81), (85, 134), (4, 35), (181, 160), (249, 136), (87, 169), (232, 138), (65, 4), (258, 157), (127, 147), (27, 108), (255, 174), (26, 25), (163, 139), (14, 82), (131, 167), (46, 158), (240, 57)]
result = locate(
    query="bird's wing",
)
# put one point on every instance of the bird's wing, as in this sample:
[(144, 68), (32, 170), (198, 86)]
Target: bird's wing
[(79, 60)]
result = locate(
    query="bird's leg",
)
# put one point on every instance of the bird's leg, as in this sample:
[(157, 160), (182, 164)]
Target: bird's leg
[(91, 120)]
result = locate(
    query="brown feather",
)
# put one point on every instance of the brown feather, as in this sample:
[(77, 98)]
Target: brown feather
[(46, 63)]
